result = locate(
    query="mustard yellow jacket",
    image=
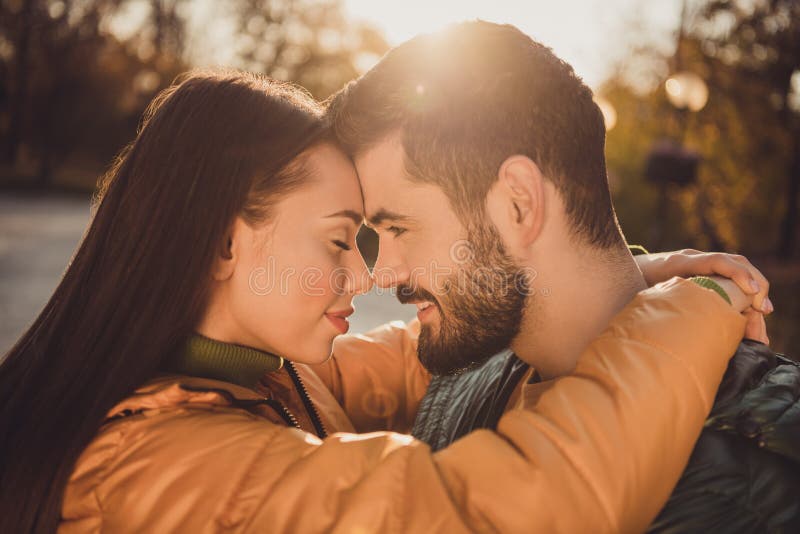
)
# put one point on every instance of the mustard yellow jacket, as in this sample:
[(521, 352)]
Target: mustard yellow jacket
[(598, 451)]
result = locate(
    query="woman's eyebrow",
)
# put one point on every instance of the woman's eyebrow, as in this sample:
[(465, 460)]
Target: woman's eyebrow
[(353, 215)]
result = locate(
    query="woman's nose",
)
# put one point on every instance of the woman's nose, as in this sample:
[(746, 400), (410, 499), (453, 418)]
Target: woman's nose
[(390, 270), (360, 280)]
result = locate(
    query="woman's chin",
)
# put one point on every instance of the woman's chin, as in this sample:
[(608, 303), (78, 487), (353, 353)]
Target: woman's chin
[(315, 355)]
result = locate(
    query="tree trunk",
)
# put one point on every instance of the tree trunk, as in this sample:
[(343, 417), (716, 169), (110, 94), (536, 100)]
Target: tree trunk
[(786, 247), (19, 96)]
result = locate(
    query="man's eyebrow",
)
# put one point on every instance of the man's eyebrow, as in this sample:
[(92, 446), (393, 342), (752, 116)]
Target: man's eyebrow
[(383, 215), (354, 216)]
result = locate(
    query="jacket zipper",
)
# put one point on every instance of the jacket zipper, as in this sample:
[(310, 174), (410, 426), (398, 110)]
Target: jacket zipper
[(287, 416), (284, 412), (310, 408)]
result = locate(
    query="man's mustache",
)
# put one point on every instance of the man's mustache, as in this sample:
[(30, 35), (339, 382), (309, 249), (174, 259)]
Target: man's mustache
[(407, 293)]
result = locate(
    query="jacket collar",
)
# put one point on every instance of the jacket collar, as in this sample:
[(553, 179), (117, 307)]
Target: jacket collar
[(207, 358)]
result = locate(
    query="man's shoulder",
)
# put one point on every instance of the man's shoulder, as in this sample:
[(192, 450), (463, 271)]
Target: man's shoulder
[(745, 468), (759, 399)]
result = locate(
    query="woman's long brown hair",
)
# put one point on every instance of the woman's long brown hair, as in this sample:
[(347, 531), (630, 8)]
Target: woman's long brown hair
[(211, 147)]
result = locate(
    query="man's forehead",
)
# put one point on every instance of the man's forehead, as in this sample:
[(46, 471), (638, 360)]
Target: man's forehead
[(382, 162), (384, 182), (390, 193)]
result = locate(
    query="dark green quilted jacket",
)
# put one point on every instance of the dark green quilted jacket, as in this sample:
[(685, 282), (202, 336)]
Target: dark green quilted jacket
[(744, 473)]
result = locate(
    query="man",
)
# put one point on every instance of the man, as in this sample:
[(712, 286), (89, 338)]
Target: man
[(481, 160)]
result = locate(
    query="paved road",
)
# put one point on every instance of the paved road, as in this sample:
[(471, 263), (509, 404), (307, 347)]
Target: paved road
[(37, 239)]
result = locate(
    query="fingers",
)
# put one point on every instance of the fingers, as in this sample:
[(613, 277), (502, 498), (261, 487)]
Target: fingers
[(756, 327), (749, 279), (740, 301), (761, 300)]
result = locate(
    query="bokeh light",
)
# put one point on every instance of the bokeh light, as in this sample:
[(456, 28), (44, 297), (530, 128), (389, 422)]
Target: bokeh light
[(687, 90), (608, 110)]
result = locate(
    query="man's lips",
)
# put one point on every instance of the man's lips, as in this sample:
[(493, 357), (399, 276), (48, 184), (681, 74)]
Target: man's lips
[(339, 319), (425, 308), (427, 304)]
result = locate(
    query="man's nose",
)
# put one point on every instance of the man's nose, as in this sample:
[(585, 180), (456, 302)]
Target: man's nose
[(390, 267)]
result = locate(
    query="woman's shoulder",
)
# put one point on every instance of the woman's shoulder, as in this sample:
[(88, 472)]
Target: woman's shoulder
[(167, 439), (169, 392), (186, 409)]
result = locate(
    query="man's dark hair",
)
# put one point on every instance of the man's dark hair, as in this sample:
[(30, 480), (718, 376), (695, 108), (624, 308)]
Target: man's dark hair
[(470, 96)]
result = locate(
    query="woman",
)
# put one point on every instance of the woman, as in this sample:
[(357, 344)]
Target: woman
[(148, 396)]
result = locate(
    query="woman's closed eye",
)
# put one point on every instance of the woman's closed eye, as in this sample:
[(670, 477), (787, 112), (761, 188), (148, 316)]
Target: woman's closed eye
[(341, 244)]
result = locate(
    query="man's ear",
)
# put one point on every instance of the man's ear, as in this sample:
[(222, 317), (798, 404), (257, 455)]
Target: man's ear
[(516, 203), (227, 253)]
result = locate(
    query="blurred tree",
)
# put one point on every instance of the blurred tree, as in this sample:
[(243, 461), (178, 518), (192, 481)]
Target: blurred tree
[(758, 43), (168, 20), (75, 75), (745, 198), (73, 90), (309, 42), (35, 36), (747, 136)]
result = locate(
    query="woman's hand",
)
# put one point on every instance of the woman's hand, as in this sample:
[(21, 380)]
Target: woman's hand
[(689, 262), (755, 327)]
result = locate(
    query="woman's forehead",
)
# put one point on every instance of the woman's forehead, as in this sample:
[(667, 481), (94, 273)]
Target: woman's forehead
[(332, 188)]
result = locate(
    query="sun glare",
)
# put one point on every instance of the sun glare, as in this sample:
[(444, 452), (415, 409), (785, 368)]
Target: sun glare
[(586, 33)]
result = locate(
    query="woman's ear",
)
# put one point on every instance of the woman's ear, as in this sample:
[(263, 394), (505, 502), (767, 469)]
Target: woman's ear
[(228, 251), (516, 203)]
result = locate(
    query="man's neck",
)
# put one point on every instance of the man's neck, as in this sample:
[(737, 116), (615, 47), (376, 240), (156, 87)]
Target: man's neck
[(573, 300)]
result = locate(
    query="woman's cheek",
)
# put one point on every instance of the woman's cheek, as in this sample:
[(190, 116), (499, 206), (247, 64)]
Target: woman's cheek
[(314, 284), (313, 298)]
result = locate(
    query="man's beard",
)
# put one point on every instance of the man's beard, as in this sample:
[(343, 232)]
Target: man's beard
[(484, 313)]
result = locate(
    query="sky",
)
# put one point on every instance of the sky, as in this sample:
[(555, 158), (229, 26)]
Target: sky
[(589, 34)]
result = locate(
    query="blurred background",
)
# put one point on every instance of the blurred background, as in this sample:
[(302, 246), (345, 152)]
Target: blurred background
[(701, 99)]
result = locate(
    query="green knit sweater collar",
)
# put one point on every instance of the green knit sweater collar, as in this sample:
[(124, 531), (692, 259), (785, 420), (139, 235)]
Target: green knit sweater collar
[(208, 358)]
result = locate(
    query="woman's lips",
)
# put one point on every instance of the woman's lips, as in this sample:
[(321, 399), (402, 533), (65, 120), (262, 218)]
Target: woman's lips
[(340, 323), (339, 319)]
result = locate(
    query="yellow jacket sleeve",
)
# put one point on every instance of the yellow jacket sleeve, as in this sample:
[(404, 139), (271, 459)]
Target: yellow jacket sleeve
[(377, 377), (599, 452)]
